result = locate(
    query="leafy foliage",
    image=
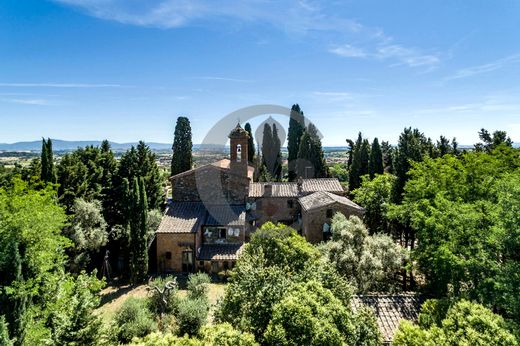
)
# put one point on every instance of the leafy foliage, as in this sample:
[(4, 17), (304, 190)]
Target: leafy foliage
[(370, 263), (294, 135), (192, 314), (133, 319), (198, 285), (182, 158), (310, 155), (466, 323), (250, 144)]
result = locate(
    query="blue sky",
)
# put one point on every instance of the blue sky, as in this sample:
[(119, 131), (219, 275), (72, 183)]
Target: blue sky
[(125, 69)]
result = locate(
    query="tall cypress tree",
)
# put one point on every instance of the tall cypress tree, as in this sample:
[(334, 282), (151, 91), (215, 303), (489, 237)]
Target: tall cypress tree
[(354, 174), (268, 160), (138, 238), (410, 148), (294, 135), (182, 158), (365, 157), (250, 144), (376, 159), (277, 154), (387, 152), (311, 161), (48, 172)]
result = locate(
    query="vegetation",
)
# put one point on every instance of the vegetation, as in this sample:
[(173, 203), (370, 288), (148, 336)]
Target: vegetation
[(182, 158), (294, 135)]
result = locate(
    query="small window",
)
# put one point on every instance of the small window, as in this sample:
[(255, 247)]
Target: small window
[(226, 265), (222, 233), (168, 255), (239, 152), (290, 203), (214, 267), (201, 263), (329, 212)]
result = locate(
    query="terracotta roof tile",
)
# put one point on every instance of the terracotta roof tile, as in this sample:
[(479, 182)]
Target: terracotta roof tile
[(290, 189), (182, 217), (220, 252), (390, 309), (321, 199), (225, 215)]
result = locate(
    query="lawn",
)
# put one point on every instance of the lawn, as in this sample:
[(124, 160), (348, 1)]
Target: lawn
[(112, 297)]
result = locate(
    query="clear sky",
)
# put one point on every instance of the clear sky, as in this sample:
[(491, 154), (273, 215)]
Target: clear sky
[(125, 69)]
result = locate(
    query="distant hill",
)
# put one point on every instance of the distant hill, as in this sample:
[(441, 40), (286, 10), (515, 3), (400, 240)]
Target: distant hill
[(61, 145)]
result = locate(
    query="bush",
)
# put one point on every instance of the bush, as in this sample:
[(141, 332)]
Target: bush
[(198, 285), (4, 335), (168, 339), (191, 315), (133, 319), (225, 335)]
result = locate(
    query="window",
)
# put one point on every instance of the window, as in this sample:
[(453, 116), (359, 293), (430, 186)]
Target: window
[(187, 261), (239, 152), (226, 265), (290, 203), (330, 212), (222, 233), (168, 255), (201, 263)]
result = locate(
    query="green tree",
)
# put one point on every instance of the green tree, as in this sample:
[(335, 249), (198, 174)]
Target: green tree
[(388, 154), (192, 314), (138, 232), (310, 315), (370, 263), (250, 144), (225, 335), (491, 141), (409, 149), (311, 160), (466, 323), (48, 173), (364, 156), (355, 169), (182, 158), (375, 165), (294, 135), (375, 196), (198, 285), (277, 154), (4, 333), (88, 231)]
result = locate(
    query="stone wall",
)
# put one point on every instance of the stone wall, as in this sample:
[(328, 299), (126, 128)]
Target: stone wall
[(275, 209), (210, 184), (312, 221), (175, 243)]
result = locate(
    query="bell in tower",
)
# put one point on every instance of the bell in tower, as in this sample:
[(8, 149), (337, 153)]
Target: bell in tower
[(238, 150)]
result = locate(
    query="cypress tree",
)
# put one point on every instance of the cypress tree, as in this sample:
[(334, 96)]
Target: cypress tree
[(310, 156), (182, 158), (18, 302), (48, 172), (44, 161), (354, 174), (277, 155), (365, 157), (387, 151), (350, 152), (268, 160), (138, 239), (376, 159), (294, 135), (250, 144), (409, 148)]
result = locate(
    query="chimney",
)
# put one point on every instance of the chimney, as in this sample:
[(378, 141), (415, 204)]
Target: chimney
[(268, 190), (299, 183)]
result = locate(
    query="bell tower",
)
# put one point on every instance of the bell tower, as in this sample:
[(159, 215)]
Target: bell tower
[(238, 150)]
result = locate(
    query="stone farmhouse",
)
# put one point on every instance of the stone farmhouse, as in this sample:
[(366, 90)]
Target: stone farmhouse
[(216, 207)]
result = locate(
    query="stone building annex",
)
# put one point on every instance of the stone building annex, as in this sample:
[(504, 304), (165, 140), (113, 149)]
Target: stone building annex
[(216, 207)]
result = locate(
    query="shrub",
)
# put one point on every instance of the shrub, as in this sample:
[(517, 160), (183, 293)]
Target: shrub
[(191, 315), (225, 335), (133, 319), (198, 285)]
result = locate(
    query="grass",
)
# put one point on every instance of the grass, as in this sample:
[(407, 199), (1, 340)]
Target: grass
[(112, 297)]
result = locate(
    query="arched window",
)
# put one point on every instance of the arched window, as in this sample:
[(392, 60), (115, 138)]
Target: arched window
[(239, 152)]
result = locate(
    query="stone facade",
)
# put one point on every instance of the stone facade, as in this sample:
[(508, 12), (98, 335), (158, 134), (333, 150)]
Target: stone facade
[(312, 221), (170, 250)]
